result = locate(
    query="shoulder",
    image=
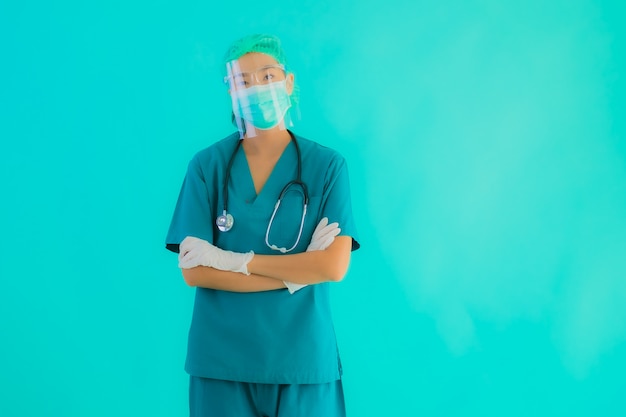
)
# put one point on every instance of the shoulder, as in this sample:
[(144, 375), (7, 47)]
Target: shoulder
[(214, 157), (217, 152), (320, 154)]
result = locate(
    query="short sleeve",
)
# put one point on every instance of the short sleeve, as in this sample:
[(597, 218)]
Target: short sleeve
[(337, 203), (192, 215)]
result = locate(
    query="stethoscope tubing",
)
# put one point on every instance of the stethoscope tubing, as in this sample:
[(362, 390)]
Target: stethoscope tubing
[(298, 179), (228, 220)]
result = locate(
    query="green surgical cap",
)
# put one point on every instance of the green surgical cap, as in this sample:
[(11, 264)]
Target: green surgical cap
[(262, 43)]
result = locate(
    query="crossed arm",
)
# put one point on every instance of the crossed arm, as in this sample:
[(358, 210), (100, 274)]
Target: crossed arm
[(267, 272)]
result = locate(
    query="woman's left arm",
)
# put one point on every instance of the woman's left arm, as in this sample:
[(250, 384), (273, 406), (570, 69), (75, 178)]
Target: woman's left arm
[(330, 264)]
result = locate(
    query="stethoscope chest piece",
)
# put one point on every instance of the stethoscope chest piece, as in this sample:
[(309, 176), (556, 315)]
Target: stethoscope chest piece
[(225, 222)]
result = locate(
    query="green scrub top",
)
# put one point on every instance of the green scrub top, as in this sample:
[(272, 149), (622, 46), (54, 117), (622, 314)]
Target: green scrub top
[(271, 337)]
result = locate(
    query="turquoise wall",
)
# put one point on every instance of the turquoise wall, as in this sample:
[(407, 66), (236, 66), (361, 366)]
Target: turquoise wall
[(487, 148)]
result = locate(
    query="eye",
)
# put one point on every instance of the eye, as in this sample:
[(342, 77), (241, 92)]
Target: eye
[(269, 74), (240, 81)]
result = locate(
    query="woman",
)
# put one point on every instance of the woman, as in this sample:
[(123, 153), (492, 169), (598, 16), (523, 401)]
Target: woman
[(261, 341)]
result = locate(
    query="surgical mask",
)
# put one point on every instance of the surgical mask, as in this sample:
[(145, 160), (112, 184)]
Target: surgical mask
[(263, 105)]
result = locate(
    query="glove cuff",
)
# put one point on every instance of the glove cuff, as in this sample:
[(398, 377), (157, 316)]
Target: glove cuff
[(293, 287), (245, 259)]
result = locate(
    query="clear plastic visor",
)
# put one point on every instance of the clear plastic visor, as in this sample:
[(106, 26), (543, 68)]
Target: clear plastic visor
[(259, 97)]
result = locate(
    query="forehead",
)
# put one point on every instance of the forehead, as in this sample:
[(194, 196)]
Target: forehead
[(251, 61)]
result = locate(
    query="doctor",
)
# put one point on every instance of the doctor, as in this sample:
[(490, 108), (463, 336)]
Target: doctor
[(263, 225)]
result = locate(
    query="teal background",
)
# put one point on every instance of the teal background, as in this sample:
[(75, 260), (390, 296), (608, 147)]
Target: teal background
[(486, 145)]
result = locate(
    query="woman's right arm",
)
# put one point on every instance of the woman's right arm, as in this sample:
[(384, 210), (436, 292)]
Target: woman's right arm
[(206, 277)]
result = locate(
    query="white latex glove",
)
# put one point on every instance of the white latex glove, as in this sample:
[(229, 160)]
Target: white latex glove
[(195, 252), (323, 236)]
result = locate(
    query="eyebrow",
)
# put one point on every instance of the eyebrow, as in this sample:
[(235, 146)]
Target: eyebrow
[(240, 74)]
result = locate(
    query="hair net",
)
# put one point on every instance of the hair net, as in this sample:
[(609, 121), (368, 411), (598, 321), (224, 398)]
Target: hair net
[(264, 44)]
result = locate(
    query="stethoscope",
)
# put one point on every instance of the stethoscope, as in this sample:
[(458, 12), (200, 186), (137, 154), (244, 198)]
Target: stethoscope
[(226, 221)]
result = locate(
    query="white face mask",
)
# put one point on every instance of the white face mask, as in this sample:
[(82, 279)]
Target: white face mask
[(263, 105)]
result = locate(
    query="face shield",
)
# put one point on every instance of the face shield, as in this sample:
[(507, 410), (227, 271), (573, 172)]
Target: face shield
[(260, 97)]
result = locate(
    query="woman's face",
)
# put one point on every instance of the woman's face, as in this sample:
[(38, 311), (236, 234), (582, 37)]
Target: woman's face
[(256, 68)]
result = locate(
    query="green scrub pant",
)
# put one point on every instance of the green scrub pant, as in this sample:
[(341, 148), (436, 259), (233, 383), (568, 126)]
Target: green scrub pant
[(212, 397)]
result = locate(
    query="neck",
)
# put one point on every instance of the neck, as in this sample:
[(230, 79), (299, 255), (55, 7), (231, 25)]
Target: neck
[(266, 142)]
